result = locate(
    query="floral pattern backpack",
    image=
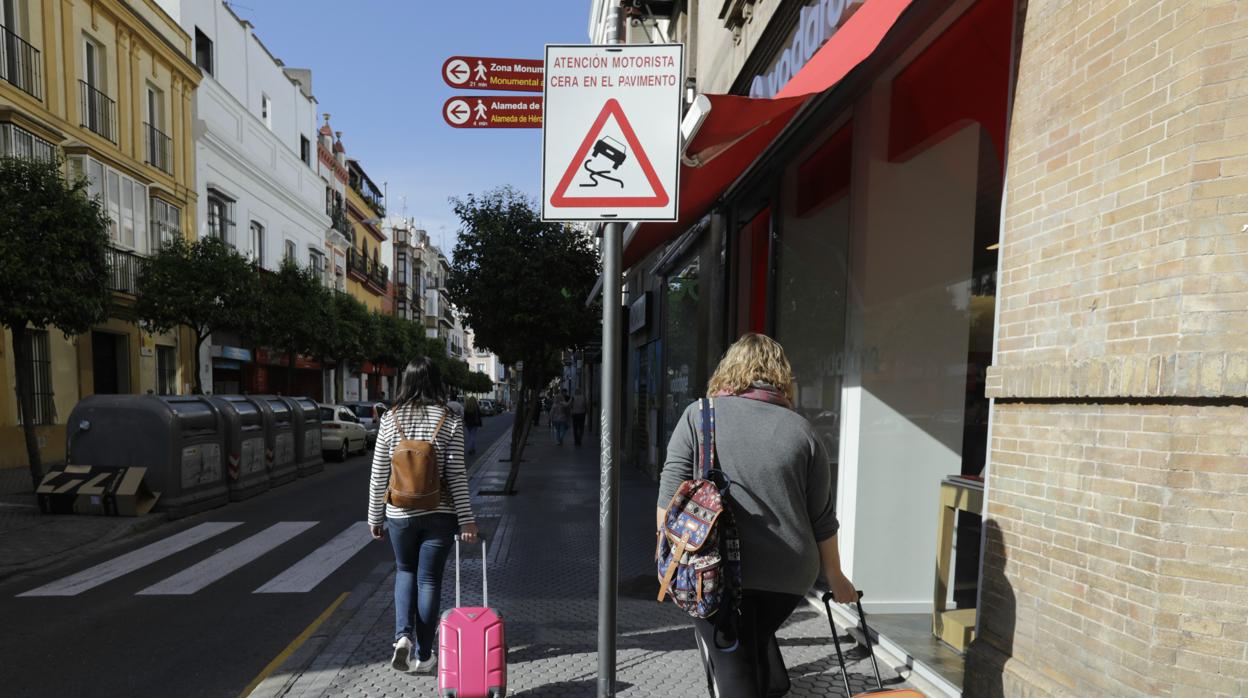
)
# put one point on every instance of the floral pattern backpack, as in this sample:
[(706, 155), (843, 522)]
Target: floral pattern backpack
[(699, 552)]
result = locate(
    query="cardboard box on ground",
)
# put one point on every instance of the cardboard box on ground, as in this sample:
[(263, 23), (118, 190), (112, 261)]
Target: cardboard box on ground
[(85, 489)]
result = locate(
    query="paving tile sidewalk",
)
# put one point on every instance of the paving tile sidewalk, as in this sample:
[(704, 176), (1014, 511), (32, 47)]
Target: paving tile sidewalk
[(543, 578)]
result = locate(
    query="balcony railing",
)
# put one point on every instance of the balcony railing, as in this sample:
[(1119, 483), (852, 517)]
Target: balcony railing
[(367, 270), (20, 64), (99, 113), (379, 275), (19, 143), (125, 268), (159, 148)]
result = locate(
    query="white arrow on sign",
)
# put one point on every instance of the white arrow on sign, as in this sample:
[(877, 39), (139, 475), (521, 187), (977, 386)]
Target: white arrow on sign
[(457, 71), (458, 111)]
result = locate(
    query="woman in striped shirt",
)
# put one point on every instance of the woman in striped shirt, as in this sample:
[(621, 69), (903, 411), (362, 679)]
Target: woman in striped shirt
[(421, 539)]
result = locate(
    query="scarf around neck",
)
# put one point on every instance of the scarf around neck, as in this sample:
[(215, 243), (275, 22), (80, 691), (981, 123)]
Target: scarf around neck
[(763, 392)]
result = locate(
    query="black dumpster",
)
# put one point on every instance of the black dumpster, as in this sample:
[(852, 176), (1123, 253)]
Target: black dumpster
[(245, 464), (179, 439), (279, 437), (308, 456)]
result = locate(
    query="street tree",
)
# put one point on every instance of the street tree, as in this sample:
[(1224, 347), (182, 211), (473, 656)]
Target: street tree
[(54, 268), (292, 310), (456, 374), (521, 284), (205, 286), (478, 383), (342, 335)]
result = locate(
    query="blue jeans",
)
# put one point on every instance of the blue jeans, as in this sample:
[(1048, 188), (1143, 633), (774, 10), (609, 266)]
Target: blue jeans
[(561, 430), (421, 546)]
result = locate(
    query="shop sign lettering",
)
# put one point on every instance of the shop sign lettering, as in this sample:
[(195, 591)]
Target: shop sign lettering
[(817, 22)]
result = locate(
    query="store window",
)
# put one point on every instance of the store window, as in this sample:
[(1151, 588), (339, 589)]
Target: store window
[(811, 277), (752, 263), (685, 377)]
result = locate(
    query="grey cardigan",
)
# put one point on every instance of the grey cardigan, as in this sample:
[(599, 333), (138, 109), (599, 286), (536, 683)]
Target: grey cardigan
[(781, 487)]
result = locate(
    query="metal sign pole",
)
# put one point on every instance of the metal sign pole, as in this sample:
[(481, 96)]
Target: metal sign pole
[(609, 475)]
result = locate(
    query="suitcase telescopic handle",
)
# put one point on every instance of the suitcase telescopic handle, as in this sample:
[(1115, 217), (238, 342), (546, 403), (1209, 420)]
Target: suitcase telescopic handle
[(866, 637), (485, 589)]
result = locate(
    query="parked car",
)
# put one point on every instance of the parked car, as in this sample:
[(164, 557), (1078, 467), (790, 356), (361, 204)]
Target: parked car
[(341, 432), (489, 408), (369, 413)]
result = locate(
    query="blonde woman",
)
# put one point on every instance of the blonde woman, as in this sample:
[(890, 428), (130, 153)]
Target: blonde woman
[(781, 497)]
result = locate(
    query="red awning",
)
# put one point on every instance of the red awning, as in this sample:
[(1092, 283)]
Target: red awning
[(738, 129)]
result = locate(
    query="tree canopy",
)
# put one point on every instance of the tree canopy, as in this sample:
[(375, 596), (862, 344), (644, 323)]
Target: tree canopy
[(54, 268), (522, 284), (204, 285)]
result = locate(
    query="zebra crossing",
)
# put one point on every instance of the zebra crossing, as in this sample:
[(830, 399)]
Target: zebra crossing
[(301, 577)]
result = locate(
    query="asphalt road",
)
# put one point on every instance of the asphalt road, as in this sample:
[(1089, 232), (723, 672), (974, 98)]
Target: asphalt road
[(196, 630)]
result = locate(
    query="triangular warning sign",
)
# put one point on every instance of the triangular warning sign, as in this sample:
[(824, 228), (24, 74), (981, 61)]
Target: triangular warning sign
[(659, 196)]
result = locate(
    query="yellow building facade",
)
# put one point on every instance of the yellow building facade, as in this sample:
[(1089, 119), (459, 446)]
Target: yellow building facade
[(108, 86), (367, 275)]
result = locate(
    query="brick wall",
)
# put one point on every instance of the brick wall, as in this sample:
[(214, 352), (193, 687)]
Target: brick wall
[(1117, 559), (1121, 562), (1125, 259)]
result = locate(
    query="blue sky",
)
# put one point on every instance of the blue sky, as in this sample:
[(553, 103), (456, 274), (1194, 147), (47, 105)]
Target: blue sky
[(376, 69)]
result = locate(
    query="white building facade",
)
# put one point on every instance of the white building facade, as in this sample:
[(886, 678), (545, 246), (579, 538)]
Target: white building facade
[(256, 166), (482, 361)]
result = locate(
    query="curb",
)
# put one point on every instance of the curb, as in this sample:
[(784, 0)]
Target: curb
[(288, 674)]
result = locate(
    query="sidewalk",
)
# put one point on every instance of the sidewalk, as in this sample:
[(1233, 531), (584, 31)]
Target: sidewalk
[(30, 540), (543, 578)]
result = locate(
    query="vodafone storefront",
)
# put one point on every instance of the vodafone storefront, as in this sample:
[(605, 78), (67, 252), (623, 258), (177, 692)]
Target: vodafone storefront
[(850, 208)]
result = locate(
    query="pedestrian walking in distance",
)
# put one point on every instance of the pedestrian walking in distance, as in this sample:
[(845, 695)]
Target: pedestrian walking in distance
[(579, 408), (419, 430), (780, 498), (472, 422), (559, 412)]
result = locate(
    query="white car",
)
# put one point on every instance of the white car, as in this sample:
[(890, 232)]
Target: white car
[(341, 432)]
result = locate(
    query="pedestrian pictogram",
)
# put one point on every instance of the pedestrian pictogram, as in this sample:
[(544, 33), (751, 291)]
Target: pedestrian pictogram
[(493, 112), (610, 168), (481, 73), (611, 132)]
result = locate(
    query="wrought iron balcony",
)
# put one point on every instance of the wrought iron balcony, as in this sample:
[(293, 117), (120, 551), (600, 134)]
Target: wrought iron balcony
[(20, 143), (99, 113), (20, 63), (379, 274), (159, 148), (125, 266)]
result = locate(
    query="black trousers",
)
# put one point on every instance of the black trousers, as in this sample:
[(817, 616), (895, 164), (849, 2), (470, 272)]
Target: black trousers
[(578, 427), (754, 668)]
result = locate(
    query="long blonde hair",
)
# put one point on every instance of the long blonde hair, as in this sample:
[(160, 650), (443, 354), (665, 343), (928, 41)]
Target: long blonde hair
[(752, 358)]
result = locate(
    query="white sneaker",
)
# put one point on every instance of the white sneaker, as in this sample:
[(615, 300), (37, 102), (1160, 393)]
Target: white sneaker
[(428, 666), (402, 652)]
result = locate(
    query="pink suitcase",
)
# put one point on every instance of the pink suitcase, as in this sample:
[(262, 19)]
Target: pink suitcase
[(472, 650)]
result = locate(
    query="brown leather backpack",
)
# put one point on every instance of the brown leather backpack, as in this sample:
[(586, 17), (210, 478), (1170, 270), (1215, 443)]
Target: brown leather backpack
[(415, 477)]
